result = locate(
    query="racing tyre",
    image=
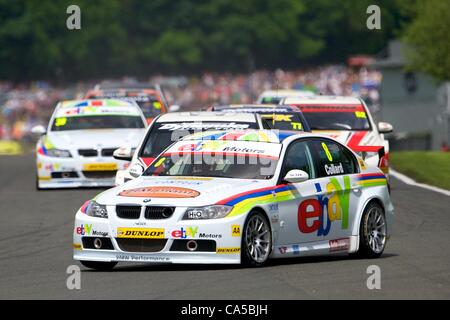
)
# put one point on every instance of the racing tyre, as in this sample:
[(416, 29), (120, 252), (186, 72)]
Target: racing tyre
[(256, 240), (100, 266), (372, 232)]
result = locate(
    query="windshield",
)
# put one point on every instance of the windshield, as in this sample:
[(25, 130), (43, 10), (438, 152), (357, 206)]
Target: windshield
[(209, 165), (336, 118), (149, 104), (164, 134), (97, 122), (282, 121), (271, 100)]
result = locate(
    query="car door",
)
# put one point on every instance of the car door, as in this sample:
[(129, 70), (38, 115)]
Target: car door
[(297, 156), (337, 193)]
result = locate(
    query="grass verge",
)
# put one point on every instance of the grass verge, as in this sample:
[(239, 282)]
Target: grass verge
[(428, 167)]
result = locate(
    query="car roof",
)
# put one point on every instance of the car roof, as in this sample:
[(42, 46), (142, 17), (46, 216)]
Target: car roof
[(132, 85), (248, 135), (206, 116), (124, 91), (286, 92), (322, 100), (97, 103), (257, 107)]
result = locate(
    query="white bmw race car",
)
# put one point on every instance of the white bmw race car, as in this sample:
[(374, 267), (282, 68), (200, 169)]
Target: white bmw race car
[(239, 197), (348, 120), (77, 148), (168, 128)]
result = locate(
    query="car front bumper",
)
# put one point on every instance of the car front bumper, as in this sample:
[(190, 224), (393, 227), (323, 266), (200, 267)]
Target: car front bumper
[(76, 172), (226, 248)]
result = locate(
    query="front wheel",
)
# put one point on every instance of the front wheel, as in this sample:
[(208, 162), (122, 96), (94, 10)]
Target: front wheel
[(372, 234), (256, 240), (100, 266)]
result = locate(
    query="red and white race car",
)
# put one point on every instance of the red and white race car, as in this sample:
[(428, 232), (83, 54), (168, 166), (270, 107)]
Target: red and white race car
[(348, 120)]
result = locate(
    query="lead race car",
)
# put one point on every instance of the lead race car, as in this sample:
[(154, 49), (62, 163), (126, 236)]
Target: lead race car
[(76, 150), (239, 197)]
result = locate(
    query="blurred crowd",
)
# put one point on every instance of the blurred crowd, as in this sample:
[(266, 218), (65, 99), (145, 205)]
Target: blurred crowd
[(245, 88), (24, 106)]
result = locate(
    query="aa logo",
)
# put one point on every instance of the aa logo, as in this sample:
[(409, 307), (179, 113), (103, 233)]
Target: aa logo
[(235, 230)]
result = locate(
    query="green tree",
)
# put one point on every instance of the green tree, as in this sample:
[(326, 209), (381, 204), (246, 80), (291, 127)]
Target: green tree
[(429, 39), (135, 37)]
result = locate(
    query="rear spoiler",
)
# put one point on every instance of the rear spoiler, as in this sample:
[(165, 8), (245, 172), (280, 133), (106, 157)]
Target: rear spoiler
[(381, 154)]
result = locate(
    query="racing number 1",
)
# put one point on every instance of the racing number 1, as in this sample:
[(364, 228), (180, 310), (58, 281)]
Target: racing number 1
[(327, 152)]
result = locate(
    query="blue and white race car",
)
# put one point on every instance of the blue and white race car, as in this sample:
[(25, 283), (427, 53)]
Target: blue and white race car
[(239, 197)]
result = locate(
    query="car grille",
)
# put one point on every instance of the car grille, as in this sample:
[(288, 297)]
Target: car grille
[(141, 245), (100, 174), (108, 152), (202, 245), (88, 243), (66, 174), (152, 212), (128, 212), (87, 152)]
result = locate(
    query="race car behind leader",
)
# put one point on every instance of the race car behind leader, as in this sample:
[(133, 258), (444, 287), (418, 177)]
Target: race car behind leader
[(168, 128), (76, 150), (348, 120)]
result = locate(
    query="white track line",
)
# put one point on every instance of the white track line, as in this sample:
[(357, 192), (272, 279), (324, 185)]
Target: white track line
[(411, 182)]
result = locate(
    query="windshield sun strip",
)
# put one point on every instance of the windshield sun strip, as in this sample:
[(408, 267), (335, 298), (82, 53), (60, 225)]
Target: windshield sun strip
[(213, 153)]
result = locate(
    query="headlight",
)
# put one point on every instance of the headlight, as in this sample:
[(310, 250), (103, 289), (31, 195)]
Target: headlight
[(208, 212), (58, 153), (96, 210)]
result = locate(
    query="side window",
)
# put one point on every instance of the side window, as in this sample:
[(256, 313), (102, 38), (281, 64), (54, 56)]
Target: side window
[(332, 159), (298, 156)]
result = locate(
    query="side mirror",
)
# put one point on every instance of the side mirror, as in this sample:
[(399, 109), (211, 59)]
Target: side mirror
[(38, 130), (123, 153), (296, 176), (136, 170), (384, 127), (174, 108)]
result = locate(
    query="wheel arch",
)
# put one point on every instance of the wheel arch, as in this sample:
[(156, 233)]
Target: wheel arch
[(261, 210), (373, 199)]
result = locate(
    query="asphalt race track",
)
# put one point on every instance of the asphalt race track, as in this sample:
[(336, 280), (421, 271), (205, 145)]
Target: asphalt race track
[(36, 249)]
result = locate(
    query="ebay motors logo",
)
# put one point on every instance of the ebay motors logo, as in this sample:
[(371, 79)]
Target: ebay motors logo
[(316, 215), (84, 229), (210, 145), (184, 233)]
